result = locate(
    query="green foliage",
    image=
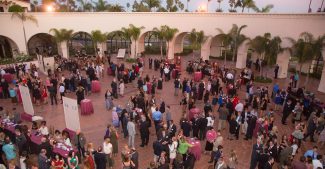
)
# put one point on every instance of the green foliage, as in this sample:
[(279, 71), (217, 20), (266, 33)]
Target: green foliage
[(265, 9), (16, 8), (116, 8), (101, 6), (23, 16), (18, 59), (98, 36), (261, 79), (61, 35), (233, 38), (174, 5), (196, 38), (151, 4), (139, 7), (131, 60), (268, 47)]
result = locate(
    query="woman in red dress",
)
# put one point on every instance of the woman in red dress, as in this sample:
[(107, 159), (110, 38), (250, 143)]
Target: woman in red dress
[(44, 95), (57, 163), (89, 162)]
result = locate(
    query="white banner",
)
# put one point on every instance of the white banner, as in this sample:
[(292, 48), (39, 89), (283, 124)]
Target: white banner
[(71, 113), (27, 101)]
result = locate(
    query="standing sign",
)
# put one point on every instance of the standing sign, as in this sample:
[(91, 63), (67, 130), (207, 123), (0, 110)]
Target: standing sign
[(27, 101), (71, 113)]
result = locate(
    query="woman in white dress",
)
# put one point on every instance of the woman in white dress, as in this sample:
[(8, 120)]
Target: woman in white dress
[(173, 150), (122, 87)]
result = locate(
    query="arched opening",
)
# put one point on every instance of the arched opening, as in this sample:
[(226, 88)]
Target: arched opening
[(42, 43), (8, 48), (81, 43), (116, 41), (149, 43), (182, 45), (218, 49)]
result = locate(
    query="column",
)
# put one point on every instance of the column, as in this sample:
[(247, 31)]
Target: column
[(242, 55), (205, 49), (133, 52), (64, 49), (321, 86), (171, 49), (283, 62)]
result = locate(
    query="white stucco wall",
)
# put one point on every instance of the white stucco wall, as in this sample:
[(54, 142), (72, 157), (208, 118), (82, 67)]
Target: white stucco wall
[(283, 25)]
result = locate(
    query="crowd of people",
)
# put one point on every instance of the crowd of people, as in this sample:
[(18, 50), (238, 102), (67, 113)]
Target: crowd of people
[(249, 116)]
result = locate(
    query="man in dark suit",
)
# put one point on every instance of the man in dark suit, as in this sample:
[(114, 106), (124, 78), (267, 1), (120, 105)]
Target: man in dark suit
[(100, 158), (257, 148), (269, 163), (144, 131), (172, 129), (287, 109)]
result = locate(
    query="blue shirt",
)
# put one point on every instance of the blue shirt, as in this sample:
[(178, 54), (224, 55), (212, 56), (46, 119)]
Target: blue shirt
[(275, 88), (156, 115), (12, 93), (9, 150), (311, 153)]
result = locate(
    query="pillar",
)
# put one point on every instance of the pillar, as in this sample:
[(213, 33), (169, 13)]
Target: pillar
[(171, 48), (242, 55), (205, 49), (64, 49), (133, 49), (283, 62), (321, 86), (102, 47)]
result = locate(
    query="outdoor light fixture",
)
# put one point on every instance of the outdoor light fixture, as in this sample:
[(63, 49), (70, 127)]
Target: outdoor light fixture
[(49, 8)]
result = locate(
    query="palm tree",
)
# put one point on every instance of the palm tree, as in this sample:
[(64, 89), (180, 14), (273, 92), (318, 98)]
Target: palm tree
[(232, 4), (236, 38), (99, 38), (196, 38), (101, 5), (62, 36), (134, 34), (152, 3), (128, 6), (246, 4), (169, 35), (160, 34), (268, 48), (302, 49), (126, 33), (85, 5), (116, 8), (23, 17), (265, 9)]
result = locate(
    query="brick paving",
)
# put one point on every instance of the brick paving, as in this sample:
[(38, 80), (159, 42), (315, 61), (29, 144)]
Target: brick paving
[(94, 126)]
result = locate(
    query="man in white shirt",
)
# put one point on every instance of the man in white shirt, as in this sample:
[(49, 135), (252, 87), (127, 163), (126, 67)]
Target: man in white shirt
[(316, 162), (43, 129), (3, 72), (239, 107)]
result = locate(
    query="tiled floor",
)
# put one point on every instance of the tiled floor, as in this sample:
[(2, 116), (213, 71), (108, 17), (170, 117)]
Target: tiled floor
[(94, 125)]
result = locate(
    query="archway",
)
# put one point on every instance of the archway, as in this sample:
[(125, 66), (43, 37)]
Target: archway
[(182, 44), (81, 43), (116, 41), (218, 49), (149, 43), (42, 43), (8, 48)]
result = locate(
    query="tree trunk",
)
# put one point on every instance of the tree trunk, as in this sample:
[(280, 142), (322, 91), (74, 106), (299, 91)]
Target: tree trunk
[(234, 51), (299, 75), (225, 57), (167, 49), (307, 79), (135, 51), (161, 51)]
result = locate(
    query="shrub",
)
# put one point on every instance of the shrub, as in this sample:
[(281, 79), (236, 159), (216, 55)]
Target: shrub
[(131, 60), (18, 59), (16, 8), (261, 79)]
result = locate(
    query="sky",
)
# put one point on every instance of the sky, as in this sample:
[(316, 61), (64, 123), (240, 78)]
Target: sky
[(280, 6)]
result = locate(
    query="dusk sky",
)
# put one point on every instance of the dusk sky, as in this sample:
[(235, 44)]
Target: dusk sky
[(280, 6)]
